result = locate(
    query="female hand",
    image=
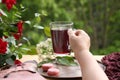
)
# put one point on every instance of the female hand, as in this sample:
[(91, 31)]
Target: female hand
[(79, 40)]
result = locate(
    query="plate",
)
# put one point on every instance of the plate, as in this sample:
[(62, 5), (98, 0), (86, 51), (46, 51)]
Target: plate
[(67, 72)]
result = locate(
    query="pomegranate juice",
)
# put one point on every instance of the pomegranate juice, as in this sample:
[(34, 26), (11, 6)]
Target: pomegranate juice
[(60, 41)]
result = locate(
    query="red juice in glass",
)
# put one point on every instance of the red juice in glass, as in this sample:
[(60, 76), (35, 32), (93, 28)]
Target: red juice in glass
[(60, 41), (60, 38)]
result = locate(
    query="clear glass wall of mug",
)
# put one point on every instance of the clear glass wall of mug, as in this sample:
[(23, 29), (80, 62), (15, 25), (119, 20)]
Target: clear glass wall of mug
[(60, 38)]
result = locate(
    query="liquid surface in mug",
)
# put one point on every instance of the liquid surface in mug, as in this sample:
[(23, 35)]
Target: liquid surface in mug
[(60, 41)]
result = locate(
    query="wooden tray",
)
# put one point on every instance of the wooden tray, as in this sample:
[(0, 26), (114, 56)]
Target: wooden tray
[(67, 72)]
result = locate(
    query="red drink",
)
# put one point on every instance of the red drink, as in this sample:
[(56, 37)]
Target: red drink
[(60, 41)]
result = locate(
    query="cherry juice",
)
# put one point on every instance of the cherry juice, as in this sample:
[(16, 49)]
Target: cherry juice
[(60, 41)]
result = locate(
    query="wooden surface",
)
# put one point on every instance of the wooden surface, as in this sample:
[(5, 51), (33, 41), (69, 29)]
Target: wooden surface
[(35, 57)]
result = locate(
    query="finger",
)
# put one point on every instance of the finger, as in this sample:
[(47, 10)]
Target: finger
[(83, 32), (71, 32), (80, 31), (77, 33)]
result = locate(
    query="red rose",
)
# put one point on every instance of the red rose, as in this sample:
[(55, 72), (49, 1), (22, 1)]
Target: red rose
[(17, 36), (9, 3), (3, 46), (18, 62), (20, 26), (19, 32), (3, 1)]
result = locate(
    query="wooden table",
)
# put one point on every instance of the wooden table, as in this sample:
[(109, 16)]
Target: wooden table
[(35, 57)]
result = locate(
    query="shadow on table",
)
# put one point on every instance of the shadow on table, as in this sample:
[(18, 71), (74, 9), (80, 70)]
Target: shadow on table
[(65, 79)]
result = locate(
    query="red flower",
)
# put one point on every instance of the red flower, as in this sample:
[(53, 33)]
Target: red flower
[(17, 36), (3, 46), (20, 26), (18, 62), (19, 32), (9, 3), (3, 1)]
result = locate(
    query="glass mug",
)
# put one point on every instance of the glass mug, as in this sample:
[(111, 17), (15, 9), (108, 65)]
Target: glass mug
[(60, 38)]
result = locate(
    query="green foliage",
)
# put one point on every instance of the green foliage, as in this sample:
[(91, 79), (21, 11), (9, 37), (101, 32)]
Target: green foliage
[(99, 18), (47, 31), (108, 50), (47, 60), (62, 60), (11, 28), (32, 50), (66, 60)]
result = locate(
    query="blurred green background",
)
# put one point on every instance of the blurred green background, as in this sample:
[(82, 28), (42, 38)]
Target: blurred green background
[(99, 18)]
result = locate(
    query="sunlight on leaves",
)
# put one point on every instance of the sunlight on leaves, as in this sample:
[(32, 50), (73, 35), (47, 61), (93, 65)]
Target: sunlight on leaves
[(47, 31)]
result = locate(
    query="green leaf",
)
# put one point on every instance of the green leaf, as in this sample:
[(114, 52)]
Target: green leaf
[(10, 61), (37, 14), (66, 60), (47, 60), (24, 38), (11, 40), (19, 55), (38, 26), (62, 60), (13, 57), (37, 18), (28, 22), (31, 51), (47, 31), (44, 13), (83, 1), (3, 13)]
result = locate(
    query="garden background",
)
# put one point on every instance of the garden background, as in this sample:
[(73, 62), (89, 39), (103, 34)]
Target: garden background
[(99, 18)]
